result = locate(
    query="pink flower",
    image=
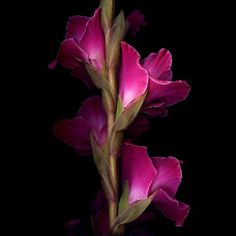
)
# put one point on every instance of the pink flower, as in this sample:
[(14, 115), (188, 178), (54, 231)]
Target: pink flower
[(148, 175), (162, 91), (84, 43), (76, 132), (135, 20), (133, 78), (153, 76)]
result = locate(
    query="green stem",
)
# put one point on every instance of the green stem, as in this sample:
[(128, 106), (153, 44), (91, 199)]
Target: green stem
[(113, 203)]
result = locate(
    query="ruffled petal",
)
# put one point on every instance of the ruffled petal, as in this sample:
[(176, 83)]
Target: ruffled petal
[(138, 170), (74, 132), (166, 91), (168, 176), (93, 42), (158, 63), (133, 79), (75, 27), (171, 208)]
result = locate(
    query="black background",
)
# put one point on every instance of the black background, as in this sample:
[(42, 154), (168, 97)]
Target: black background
[(57, 185)]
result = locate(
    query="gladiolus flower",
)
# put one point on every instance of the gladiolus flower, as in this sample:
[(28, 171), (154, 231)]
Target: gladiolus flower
[(76, 132), (84, 43), (146, 176)]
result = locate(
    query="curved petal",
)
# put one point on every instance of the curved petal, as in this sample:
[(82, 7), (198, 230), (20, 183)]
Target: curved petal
[(138, 127), (158, 63), (92, 111), (168, 176), (93, 42), (171, 208), (133, 79), (155, 109), (70, 55), (81, 73), (138, 170), (75, 27), (135, 20), (74, 132), (166, 91)]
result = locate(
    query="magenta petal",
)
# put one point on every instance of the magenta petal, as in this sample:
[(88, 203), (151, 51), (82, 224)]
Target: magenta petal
[(133, 79), (92, 111), (167, 91), (135, 21), (75, 27), (155, 109), (171, 208), (138, 127), (53, 64), (138, 170), (81, 73), (74, 132), (93, 42), (70, 55), (168, 176), (158, 63)]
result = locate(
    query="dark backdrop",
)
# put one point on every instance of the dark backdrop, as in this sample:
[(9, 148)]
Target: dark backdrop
[(61, 184)]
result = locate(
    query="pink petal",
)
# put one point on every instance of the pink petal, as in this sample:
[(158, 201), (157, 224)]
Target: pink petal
[(158, 63), (133, 79), (70, 55), (138, 127), (93, 42), (135, 20), (166, 91), (81, 73), (138, 170), (74, 132), (75, 27), (53, 64), (155, 109), (171, 208), (168, 176), (92, 111)]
